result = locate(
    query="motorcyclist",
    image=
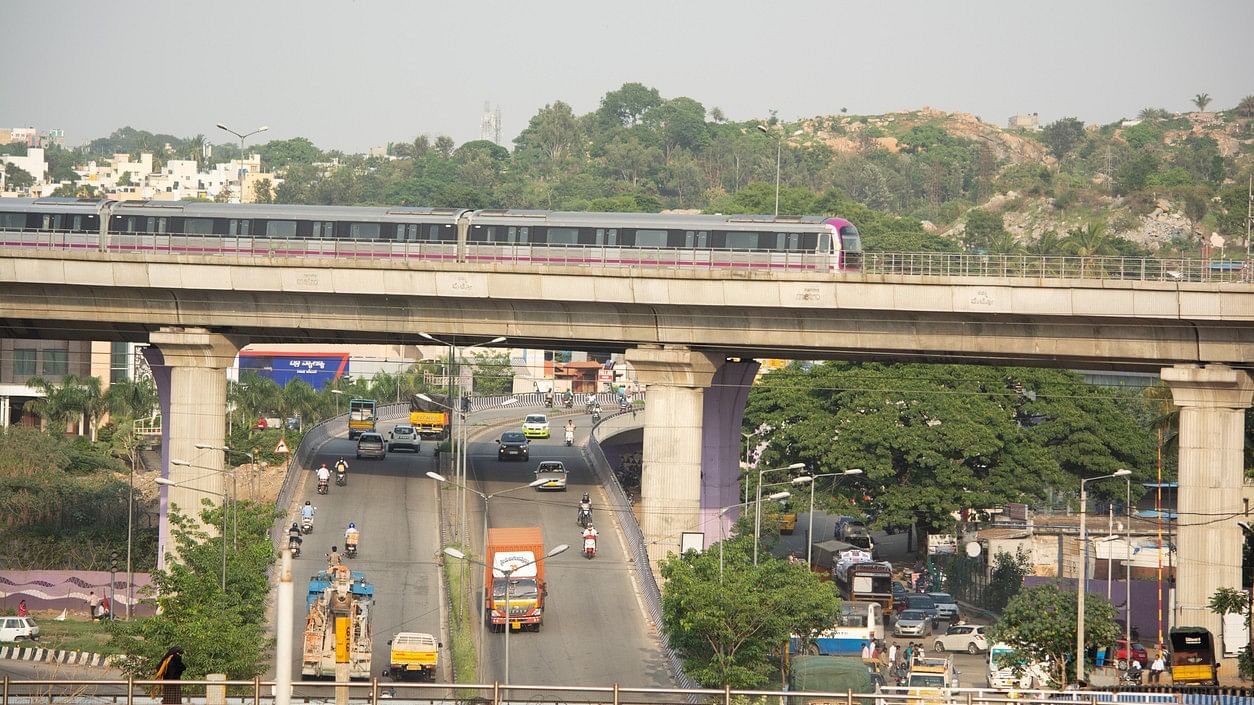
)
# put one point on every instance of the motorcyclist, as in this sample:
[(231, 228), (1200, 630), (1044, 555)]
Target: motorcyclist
[(324, 475), (293, 535), (548, 399), (341, 466), (592, 399), (333, 558), (590, 538), (585, 508), (351, 534), (307, 511)]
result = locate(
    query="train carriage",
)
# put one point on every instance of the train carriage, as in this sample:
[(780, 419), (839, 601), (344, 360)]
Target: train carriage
[(59, 223), (187, 227)]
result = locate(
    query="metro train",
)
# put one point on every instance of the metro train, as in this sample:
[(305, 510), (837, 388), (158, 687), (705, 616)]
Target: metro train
[(812, 243)]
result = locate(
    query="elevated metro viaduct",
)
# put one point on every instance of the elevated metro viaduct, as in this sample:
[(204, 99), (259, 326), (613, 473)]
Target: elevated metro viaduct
[(687, 334)]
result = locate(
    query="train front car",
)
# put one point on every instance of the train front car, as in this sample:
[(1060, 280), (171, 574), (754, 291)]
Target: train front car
[(187, 227), (52, 223), (847, 242), (665, 240)]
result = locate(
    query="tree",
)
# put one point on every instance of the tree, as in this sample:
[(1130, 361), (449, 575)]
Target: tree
[(278, 154), (223, 631), (1048, 243), (1090, 241), (1040, 624), (1061, 135), (1246, 107), (493, 373), (552, 136), (263, 191), (1201, 100), (132, 398), (1005, 580), (983, 227), (18, 178), (729, 625), (65, 401), (445, 145), (625, 106)]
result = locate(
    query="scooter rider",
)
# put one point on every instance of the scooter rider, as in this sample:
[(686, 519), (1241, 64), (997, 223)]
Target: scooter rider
[(590, 539), (351, 534), (341, 466), (293, 535), (585, 509), (324, 475), (307, 511)]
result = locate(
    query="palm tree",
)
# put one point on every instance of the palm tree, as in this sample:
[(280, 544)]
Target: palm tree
[(1049, 243), (195, 149), (1201, 100), (73, 397), (1090, 241), (131, 398), (1004, 243), (1246, 107), (253, 397)]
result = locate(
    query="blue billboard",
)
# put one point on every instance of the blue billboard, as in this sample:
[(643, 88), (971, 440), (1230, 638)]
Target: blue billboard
[(315, 369)]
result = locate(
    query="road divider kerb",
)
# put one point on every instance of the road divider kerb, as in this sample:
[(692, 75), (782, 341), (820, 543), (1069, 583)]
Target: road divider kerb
[(69, 658)]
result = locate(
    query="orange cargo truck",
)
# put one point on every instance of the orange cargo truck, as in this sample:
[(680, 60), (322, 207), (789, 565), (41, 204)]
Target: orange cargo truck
[(520, 550)]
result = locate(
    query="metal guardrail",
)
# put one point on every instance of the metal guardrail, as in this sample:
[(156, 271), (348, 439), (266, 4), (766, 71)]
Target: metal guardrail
[(920, 264), (259, 692)]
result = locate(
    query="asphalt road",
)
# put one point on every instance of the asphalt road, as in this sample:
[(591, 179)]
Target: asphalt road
[(395, 509), (595, 631)]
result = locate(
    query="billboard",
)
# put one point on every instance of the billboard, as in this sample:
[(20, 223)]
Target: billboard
[(316, 369)]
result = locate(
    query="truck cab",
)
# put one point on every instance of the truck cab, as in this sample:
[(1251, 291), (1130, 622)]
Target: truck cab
[(930, 680), (413, 655)]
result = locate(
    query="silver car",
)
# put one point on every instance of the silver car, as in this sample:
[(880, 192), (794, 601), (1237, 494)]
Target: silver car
[(946, 606), (913, 623)]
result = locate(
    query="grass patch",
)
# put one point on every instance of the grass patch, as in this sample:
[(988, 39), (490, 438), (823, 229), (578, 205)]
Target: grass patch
[(461, 631), (72, 635)]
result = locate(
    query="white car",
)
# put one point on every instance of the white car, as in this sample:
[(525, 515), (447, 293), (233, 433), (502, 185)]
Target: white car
[(970, 638), (536, 426), (18, 628)]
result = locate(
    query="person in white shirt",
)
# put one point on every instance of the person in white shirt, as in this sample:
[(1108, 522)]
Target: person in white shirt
[(324, 475), (1157, 667)]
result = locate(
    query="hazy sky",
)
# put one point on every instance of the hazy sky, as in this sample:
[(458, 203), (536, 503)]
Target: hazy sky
[(353, 74)]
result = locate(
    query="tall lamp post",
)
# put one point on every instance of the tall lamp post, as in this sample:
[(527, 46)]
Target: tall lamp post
[(1083, 582), (234, 488), (483, 624), (1127, 569), (722, 536), (508, 576), (338, 393), (171, 483), (242, 137), (810, 526), (234, 493), (757, 513), (779, 150)]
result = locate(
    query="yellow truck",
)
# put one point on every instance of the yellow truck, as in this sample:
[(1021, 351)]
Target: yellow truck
[(414, 655), (930, 680), (429, 416)]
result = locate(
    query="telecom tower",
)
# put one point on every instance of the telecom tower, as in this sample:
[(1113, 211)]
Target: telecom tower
[(490, 125)]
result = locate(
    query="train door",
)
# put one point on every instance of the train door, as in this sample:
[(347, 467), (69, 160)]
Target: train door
[(609, 250), (697, 252)]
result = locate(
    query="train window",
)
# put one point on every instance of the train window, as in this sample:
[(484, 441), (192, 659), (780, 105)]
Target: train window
[(788, 241), (433, 233), (698, 239), (363, 231), (156, 225), (78, 223), (198, 226), (850, 239), (650, 238), (825, 242), (323, 229), (280, 228), (563, 236), (238, 227), (13, 221), (52, 222), (740, 240)]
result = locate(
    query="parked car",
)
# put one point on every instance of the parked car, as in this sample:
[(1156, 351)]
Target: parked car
[(963, 637), (1139, 654), (404, 438), (946, 606), (913, 623), (371, 445), (512, 445), (18, 629), (536, 426)]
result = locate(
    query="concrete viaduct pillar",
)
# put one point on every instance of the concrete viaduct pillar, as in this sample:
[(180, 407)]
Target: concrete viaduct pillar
[(189, 366), (670, 483), (1212, 401)]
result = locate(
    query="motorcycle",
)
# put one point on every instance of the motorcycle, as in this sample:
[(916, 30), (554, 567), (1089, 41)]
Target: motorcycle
[(568, 401), (350, 550), (570, 437), (589, 547), (585, 518), (623, 406), (323, 486), (548, 401), (1130, 676), (596, 415), (341, 478), (293, 546), (306, 525)]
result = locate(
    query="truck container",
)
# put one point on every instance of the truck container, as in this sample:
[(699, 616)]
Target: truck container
[(828, 674), (337, 624), (429, 417), (362, 415), (520, 550)]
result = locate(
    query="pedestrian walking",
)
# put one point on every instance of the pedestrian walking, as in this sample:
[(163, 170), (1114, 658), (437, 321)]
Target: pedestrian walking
[(892, 655), (1157, 667), (93, 604), (171, 669), (21, 608), (866, 652)]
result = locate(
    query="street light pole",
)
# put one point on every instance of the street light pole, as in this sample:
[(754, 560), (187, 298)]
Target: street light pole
[(810, 527), (508, 574), (171, 483), (1127, 569), (757, 513), (483, 624), (779, 150), (242, 137), (1083, 581)]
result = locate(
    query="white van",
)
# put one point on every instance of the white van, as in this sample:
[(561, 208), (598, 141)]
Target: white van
[(1001, 676)]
